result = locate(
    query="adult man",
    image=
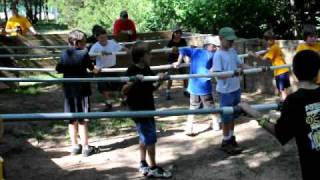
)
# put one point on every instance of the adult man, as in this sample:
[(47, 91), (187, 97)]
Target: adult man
[(125, 26), (18, 24)]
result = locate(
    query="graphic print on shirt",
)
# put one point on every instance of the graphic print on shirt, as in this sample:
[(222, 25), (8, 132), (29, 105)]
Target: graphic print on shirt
[(313, 119)]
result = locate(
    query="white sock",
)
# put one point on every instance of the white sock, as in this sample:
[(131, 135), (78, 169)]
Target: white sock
[(231, 133), (189, 125), (167, 90)]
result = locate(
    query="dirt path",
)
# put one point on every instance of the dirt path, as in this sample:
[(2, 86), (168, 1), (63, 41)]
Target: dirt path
[(189, 158)]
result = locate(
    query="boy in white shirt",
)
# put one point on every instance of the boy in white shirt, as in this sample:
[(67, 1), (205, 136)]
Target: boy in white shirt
[(107, 59)]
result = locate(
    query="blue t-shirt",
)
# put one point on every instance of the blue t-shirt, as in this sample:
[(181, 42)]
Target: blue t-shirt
[(201, 63), (227, 60)]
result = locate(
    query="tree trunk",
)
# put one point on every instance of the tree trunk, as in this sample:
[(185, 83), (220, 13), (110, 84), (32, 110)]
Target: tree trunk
[(5, 10)]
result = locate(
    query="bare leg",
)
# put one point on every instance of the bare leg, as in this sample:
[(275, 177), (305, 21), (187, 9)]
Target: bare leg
[(151, 149), (143, 151), (83, 133), (283, 94), (73, 133)]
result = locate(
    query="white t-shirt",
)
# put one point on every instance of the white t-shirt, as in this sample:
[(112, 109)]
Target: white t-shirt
[(105, 61)]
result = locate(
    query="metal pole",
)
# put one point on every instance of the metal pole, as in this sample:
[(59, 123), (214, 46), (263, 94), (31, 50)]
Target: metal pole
[(126, 114), (145, 78)]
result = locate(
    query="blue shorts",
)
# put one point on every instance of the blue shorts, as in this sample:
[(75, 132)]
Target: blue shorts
[(146, 128), (229, 99), (282, 81)]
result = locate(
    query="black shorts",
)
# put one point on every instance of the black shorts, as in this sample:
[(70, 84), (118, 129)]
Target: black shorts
[(77, 104)]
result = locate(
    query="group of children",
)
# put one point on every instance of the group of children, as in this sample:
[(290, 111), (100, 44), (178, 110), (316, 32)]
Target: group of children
[(75, 61)]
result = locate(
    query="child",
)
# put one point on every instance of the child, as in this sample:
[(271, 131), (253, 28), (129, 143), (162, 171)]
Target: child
[(275, 55), (310, 37), (106, 60), (300, 114), (175, 42), (200, 89), (93, 38), (140, 97), (226, 59), (74, 64)]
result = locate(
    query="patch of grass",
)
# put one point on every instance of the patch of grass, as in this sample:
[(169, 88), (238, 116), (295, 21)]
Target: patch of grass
[(109, 126), (27, 90)]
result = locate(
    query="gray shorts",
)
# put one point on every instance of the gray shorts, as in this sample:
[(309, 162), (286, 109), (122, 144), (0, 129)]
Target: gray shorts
[(201, 101)]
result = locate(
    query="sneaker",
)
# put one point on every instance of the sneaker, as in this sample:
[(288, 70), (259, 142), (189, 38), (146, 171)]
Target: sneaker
[(186, 93), (144, 168), (159, 172), (228, 147), (168, 96), (89, 151), (108, 107), (235, 144), (76, 149)]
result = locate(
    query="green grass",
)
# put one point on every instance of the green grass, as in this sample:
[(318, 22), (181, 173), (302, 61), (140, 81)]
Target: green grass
[(35, 89)]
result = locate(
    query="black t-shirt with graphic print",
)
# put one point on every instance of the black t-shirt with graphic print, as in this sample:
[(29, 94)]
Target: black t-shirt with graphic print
[(300, 119)]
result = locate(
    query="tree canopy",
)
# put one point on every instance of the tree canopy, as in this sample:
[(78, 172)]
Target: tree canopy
[(249, 17)]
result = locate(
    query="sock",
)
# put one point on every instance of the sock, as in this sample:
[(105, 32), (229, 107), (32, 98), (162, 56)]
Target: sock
[(189, 124), (167, 91), (231, 133), (86, 147)]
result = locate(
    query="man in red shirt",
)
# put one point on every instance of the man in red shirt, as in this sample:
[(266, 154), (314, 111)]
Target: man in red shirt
[(125, 26)]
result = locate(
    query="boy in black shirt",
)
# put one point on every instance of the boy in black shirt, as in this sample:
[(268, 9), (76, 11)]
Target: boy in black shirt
[(74, 64), (175, 42), (140, 97), (300, 114)]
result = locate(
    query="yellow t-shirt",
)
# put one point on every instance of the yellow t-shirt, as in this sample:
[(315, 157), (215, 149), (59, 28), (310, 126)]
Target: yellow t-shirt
[(305, 46), (21, 21), (275, 55)]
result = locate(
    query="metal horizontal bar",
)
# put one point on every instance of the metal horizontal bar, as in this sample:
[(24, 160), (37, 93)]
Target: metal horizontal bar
[(126, 114), (145, 78)]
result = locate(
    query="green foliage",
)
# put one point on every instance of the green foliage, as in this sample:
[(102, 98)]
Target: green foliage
[(249, 17), (85, 14)]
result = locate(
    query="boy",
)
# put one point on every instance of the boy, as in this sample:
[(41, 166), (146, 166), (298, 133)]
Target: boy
[(300, 114), (226, 59), (74, 64), (275, 55), (107, 60), (310, 37), (175, 42), (18, 24), (200, 89), (140, 97)]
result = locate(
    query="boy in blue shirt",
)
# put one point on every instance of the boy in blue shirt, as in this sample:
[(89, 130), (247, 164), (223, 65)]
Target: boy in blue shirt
[(226, 59), (200, 89)]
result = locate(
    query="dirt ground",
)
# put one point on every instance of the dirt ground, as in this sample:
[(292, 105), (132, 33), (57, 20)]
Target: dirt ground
[(188, 157)]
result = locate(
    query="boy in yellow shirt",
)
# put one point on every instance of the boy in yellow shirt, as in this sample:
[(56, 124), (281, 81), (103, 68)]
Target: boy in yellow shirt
[(18, 24), (275, 55), (310, 38)]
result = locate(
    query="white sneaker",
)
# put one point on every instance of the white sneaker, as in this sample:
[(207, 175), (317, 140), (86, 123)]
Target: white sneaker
[(144, 169), (159, 172)]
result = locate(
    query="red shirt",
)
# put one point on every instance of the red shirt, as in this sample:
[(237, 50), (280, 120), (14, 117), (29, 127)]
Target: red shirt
[(125, 25)]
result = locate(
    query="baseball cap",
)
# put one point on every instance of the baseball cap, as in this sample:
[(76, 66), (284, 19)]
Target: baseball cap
[(124, 14), (211, 40), (228, 33)]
